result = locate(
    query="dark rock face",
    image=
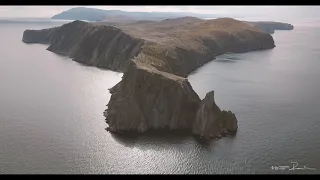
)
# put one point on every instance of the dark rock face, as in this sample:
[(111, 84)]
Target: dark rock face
[(148, 99), (210, 121), (101, 46), (39, 36)]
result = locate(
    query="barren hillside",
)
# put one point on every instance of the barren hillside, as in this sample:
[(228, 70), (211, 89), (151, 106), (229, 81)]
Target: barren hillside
[(177, 46)]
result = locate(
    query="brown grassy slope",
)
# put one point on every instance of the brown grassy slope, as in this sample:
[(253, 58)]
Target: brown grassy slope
[(181, 45)]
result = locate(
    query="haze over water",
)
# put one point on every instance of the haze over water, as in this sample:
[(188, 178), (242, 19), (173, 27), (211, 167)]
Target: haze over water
[(51, 109)]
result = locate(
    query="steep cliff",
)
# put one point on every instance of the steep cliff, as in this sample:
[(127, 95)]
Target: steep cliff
[(39, 36), (147, 98), (88, 43)]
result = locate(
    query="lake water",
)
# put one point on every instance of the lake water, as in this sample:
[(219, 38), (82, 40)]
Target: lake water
[(51, 112)]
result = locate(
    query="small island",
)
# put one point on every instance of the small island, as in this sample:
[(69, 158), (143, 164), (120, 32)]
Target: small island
[(156, 57)]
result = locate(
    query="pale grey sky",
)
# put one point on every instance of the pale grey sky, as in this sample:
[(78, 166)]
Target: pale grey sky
[(259, 12)]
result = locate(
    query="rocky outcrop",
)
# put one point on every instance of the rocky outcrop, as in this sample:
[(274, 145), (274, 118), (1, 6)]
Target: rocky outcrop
[(147, 98), (39, 36), (210, 121)]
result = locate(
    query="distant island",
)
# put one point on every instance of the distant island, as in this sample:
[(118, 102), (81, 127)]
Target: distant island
[(116, 16), (93, 14), (156, 57)]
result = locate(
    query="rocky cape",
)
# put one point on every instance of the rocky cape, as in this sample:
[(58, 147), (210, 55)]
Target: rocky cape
[(156, 58), (270, 27)]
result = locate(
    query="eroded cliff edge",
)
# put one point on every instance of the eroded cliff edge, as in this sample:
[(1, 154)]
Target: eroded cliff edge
[(148, 99), (156, 59), (88, 43)]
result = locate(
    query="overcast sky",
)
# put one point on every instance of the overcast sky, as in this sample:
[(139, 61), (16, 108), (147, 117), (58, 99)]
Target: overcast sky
[(288, 13)]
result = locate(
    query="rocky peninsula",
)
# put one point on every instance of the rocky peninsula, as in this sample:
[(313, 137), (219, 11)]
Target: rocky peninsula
[(156, 58), (270, 27), (177, 46)]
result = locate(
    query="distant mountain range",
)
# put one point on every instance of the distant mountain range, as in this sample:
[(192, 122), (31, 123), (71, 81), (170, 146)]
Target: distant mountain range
[(92, 14)]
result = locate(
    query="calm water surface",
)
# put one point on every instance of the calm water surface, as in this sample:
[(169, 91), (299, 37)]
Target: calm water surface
[(51, 108)]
